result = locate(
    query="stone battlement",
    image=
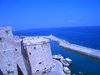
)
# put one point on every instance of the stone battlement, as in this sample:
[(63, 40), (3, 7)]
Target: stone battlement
[(35, 40)]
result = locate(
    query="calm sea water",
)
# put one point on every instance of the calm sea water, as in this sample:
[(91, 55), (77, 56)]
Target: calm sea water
[(85, 36)]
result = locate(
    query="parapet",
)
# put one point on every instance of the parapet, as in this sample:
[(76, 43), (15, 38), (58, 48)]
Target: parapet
[(35, 40)]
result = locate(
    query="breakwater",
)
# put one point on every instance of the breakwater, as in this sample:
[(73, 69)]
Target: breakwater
[(93, 53)]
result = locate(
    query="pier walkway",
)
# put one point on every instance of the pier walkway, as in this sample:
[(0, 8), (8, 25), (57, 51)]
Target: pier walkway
[(93, 53)]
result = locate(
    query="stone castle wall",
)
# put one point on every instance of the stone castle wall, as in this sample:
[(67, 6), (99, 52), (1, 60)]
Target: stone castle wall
[(38, 56)]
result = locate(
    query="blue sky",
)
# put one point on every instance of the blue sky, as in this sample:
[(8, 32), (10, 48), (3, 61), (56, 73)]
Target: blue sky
[(26, 14)]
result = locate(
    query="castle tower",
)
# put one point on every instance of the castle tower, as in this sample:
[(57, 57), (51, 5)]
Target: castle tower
[(7, 52), (39, 54)]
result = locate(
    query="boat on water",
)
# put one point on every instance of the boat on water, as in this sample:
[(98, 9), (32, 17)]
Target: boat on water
[(66, 62), (69, 60), (67, 70), (58, 57)]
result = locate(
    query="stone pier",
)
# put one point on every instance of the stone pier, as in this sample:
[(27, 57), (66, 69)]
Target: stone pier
[(93, 53)]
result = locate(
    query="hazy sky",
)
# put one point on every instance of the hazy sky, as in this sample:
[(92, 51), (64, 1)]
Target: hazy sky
[(26, 14)]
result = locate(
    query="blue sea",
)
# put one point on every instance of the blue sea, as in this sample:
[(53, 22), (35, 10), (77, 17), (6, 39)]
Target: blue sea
[(85, 36)]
